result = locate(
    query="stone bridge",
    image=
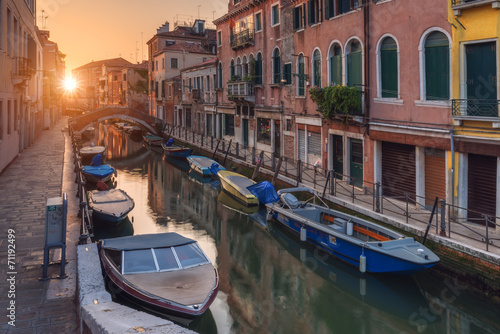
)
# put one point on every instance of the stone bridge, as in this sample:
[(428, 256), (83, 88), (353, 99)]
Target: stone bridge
[(80, 123)]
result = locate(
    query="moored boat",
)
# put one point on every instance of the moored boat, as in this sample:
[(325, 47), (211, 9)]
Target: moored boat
[(111, 206), (176, 151), (87, 153), (236, 185), (202, 165), (164, 273), (93, 174), (362, 243), (152, 140)]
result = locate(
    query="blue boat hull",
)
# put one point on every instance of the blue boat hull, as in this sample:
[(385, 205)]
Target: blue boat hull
[(179, 153), (349, 252)]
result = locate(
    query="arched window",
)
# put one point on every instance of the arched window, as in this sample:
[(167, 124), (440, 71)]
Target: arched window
[(354, 64), (220, 75), (316, 68), (276, 66), (244, 67), (258, 69), (238, 68), (335, 62), (389, 68), (232, 70), (437, 66), (301, 76)]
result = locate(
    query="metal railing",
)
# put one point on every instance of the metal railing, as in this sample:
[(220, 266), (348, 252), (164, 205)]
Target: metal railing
[(241, 38), (408, 206), (475, 108), (462, 2)]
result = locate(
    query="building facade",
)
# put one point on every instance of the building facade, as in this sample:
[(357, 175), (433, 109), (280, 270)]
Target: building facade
[(171, 51), (21, 78)]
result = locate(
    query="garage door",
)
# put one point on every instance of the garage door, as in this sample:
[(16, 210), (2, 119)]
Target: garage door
[(398, 170), (482, 186)]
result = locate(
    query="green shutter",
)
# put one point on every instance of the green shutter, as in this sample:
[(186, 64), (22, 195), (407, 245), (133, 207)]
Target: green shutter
[(301, 77), (389, 69), (354, 70), (287, 74), (336, 70), (437, 75)]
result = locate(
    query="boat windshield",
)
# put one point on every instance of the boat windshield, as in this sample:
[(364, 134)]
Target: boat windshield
[(163, 259)]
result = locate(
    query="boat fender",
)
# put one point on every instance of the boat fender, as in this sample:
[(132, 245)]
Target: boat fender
[(269, 215), (303, 233), (362, 263), (349, 227), (362, 287)]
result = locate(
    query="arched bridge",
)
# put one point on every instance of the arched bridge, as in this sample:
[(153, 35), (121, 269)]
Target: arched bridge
[(80, 123)]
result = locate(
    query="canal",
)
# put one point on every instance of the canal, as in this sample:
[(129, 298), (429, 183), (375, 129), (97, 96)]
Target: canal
[(270, 282)]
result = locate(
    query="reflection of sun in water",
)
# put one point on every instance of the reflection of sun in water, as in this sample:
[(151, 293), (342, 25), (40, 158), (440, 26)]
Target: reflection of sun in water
[(69, 84)]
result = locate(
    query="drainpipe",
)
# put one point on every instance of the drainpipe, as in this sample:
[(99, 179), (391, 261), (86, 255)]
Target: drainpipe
[(452, 141), (366, 16)]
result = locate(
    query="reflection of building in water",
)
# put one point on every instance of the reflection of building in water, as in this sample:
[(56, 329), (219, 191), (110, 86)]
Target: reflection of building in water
[(118, 143)]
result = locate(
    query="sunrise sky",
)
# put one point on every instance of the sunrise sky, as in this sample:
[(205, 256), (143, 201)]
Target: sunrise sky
[(87, 30)]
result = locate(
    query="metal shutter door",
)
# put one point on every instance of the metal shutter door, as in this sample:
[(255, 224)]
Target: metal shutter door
[(435, 175), (314, 144), (398, 170), (302, 145), (482, 188)]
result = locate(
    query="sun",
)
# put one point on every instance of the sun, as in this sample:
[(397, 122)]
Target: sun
[(69, 84)]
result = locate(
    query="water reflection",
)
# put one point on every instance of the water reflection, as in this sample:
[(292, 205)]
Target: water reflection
[(270, 282)]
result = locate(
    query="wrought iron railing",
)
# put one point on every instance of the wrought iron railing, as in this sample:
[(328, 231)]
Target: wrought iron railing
[(241, 38), (240, 89), (461, 2), (475, 108)]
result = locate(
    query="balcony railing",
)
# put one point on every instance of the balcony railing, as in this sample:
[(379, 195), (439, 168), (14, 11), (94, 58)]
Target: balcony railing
[(241, 38), (459, 5), (475, 108), (23, 67), (240, 89)]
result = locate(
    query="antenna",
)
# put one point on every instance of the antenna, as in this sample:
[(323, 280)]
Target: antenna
[(136, 51)]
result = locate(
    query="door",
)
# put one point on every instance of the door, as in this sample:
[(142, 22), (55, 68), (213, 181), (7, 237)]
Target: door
[(481, 79), (338, 155), (356, 162), (245, 132), (435, 176), (482, 187), (398, 170), (277, 141)]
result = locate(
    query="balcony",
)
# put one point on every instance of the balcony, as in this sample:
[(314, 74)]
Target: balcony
[(241, 90), (477, 110), (459, 5), (241, 38), (22, 70), (210, 97), (197, 95)]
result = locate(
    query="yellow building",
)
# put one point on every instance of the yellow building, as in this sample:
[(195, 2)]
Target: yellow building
[(475, 166)]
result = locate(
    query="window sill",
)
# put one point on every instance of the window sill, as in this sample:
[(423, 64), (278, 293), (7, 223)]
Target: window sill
[(275, 85), (387, 100), (431, 103), (300, 30), (302, 97), (315, 24)]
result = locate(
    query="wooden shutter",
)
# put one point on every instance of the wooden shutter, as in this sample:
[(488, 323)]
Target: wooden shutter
[(435, 175), (389, 68), (437, 67), (482, 186), (354, 70), (398, 170)]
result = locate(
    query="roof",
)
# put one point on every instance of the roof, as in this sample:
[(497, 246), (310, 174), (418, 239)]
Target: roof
[(212, 61), (146, 241), (189, 47), (108, 62)]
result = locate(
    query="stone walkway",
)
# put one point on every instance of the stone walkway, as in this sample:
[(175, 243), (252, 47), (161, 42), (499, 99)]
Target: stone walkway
[(36, 175)]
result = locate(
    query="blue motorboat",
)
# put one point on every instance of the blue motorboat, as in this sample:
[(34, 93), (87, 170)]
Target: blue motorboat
[(176, 151), (367, 245), (202, 165), (96, 172)]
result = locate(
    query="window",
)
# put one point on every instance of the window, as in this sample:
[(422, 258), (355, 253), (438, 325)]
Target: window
[(173, 63), (276, 66), (219, 38), (190, 84), (9, 117), (354, 64), (335, 63), (235, 2), (388, 68), (1, 120), (275, 14), (314, 11), (138, 261), (437, 66), (264, 131), (190, 255), (287, 74), (258, 69), (228, 124), (298, 17), (15, 116), (1, 35), (301, 85), (316, 68), (288, 125), (329, 9), (163, 63), (232, 70), (238, 68), (345, 6), (156, 63), (163, 88), (166, 259), (258, 22), (168, 43), (220, 76)]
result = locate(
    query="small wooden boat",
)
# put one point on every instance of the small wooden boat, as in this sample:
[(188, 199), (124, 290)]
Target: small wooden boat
[(110, 205), (367, 245), (201, 164), (236, 185), (93, 174), (152, 140), (176, 151), (87, 153), (164, 273)]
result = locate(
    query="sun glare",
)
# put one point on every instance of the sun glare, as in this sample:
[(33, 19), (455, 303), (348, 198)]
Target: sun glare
[(70, 84)]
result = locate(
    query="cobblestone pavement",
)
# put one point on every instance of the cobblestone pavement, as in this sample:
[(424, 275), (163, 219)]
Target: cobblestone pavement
[(25, 186)]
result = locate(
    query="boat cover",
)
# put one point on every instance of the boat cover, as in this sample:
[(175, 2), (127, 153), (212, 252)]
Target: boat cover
[(264, 191), (214, 168), (146, 241), (99, 171), (97, 160), (170, 142)]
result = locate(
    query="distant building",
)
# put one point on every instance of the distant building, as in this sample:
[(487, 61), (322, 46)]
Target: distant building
[(54, 69), (21, 75), (134, 86), (171, 51)]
